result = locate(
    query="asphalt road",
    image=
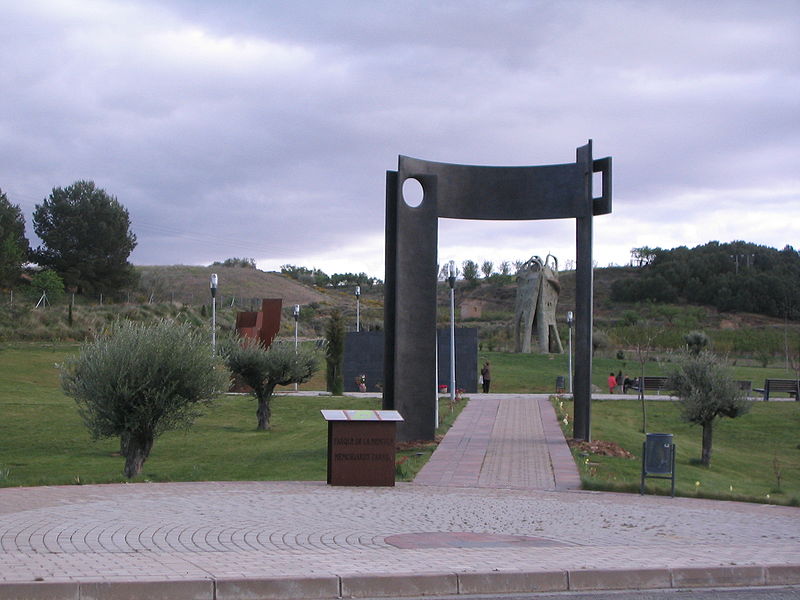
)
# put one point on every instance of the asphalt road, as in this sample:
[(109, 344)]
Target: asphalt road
[(760, 593)]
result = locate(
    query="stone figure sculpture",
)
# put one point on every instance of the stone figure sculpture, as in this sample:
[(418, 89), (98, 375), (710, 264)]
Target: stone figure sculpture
[(537, 298)]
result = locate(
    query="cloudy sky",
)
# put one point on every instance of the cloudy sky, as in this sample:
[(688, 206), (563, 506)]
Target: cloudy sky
[(264, 129)]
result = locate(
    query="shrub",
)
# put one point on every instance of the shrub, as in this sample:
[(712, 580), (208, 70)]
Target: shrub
[(696, 341), (141, 381)]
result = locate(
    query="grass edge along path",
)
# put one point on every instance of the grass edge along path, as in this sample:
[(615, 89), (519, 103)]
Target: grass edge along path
[(756, 457)]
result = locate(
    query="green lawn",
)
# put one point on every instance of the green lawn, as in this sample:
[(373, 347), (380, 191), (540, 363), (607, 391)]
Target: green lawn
[(748, 452), (44, 442), (536, 373)]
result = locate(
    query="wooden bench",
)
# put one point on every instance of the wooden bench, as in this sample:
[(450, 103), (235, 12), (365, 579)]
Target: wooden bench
[(774, 386), (656, 383)]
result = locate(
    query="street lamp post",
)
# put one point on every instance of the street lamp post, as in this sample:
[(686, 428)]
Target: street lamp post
[(296, 315), (570, 321), (451, 279), (214, 284), (358, 308)]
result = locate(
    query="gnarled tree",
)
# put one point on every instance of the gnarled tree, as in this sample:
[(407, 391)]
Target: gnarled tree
[(707, 392), (264, 369), (141, 381)]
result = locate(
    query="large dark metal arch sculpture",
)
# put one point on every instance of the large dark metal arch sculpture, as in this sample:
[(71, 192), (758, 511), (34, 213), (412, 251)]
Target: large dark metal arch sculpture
[(475, 192)]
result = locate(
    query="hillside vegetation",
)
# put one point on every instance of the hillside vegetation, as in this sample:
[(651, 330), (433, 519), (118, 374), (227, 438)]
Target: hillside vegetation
[(626, 317), (730, 277), (182, 292)]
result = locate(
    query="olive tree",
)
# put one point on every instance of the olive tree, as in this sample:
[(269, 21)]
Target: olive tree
[(707, 392), (265, 368), (141, 381)]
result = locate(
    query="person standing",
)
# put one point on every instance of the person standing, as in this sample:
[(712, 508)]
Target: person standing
[(486, 376), (612, 383)]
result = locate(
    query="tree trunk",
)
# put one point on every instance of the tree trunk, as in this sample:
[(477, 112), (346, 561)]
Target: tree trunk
[(705, 458), (264, 412), (136, 450)]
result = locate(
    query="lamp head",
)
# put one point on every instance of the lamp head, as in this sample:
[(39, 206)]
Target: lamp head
[(451, 274), (214, 282)]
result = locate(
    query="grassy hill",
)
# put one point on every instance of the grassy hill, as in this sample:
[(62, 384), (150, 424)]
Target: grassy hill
[(190, 285), (180, 291)]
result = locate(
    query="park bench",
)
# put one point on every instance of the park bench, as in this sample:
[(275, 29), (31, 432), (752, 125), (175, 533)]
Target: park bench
[(656, 383), (774, 386)]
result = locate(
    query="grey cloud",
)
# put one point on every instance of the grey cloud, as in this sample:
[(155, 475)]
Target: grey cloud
[(265, 129)]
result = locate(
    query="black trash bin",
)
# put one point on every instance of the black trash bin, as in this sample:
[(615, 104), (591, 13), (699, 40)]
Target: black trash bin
[(658, 458)]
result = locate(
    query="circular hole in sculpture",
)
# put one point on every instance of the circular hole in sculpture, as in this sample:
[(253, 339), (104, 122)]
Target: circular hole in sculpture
[(413, 194)]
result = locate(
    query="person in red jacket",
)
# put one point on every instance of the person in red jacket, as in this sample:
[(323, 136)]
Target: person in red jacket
[(612, 383)]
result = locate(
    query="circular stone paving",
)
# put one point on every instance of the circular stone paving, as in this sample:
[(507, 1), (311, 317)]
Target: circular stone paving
[(453, 539)]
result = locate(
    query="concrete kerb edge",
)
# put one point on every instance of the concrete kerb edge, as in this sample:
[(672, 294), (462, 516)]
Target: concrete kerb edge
[(278, 588), (410, 584)]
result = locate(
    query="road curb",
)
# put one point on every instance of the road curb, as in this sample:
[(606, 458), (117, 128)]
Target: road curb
[(512, 582), (399, 584), (619, 579), (382, 585), (276, 588), (718, 576)]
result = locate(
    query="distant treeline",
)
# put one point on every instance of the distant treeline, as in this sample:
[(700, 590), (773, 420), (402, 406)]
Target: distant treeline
[(320, 278), (736, 276)]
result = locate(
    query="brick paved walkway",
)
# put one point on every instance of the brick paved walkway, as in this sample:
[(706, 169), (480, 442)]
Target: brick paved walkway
[(503, 441), (484, 527)]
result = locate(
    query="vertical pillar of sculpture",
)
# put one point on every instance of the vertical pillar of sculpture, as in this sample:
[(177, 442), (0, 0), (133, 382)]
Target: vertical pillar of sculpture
[(584, 273), (390, 290), (413, 324)]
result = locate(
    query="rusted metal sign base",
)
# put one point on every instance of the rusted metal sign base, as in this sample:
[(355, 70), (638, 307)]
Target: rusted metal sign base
[(361, 447)]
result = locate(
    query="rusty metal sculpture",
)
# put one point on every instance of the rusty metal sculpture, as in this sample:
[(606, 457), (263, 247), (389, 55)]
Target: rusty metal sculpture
[(537, 298), (264, 324)]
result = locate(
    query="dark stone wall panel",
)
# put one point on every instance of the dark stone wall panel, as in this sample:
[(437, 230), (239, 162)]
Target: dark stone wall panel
[(363, 354)]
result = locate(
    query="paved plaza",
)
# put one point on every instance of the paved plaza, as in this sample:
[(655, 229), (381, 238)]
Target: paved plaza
[(496, 510)]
